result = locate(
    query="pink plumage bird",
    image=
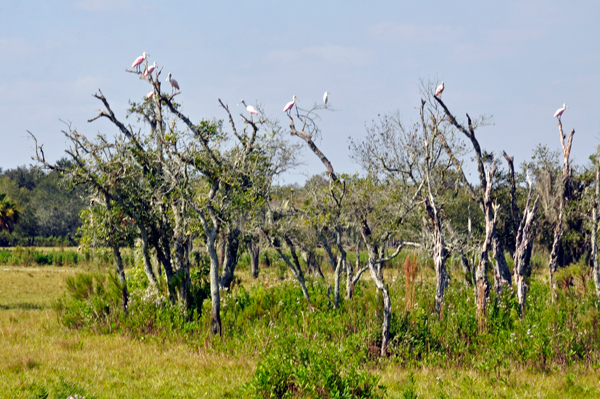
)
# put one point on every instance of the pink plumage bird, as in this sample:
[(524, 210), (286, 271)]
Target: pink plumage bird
[(439, 90), (138, 61), (289, 105), (150, 69), (249, 108), (174, 84), (560, 111)]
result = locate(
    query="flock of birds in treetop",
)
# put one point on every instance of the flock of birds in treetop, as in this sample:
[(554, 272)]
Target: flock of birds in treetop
[(251, 110)]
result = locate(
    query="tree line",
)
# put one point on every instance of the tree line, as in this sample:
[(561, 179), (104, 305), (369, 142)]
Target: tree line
[(170, 182), (38, 208)]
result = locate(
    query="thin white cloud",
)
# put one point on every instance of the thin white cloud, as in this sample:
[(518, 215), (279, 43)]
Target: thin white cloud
[(328, 54), (412, 33)]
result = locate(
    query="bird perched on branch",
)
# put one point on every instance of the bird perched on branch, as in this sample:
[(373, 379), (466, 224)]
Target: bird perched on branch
[(439, 90), (249, 108), (150, 69), (138, 61), (560, 111), (289, 105), (174, 84)]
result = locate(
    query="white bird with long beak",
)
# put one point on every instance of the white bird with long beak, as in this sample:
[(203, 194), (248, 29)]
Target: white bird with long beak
[(439, 90), (138, 61), (560, 111), (150, 69), (289, 105), (249, 108), (174, 84)]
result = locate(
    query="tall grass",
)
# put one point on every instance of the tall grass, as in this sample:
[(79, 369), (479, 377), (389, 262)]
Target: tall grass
[(314, 350), (30, 256)]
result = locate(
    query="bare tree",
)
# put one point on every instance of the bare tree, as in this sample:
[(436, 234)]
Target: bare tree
[(524, 234), (337, 190), (564, 193), (484, 197)]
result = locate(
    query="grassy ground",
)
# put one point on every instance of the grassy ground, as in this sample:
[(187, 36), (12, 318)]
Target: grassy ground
[(41, 358)]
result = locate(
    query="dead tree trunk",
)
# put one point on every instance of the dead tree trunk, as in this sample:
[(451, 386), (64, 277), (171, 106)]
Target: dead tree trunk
[(523, 235), (121, 274), (564, 196), (293, 264), (501, 272), (482, 288), (232, 244), (254, 256), (439, 254), (595, 269), (523, 247), (119, 265)]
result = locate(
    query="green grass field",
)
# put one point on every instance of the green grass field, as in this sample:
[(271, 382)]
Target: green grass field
[(40, 358)]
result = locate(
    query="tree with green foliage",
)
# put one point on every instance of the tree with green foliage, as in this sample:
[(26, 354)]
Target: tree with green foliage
[(9, 213)]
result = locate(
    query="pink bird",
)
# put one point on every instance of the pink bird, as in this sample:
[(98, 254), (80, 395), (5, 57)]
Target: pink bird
[(560, 111), (439, 90), (150, 69), (289, 105), (138, 61), (249, 108), (174, 84), (150, 94)]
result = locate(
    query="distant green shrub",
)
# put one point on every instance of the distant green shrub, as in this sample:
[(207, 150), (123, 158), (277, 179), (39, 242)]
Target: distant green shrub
[(295, 366)]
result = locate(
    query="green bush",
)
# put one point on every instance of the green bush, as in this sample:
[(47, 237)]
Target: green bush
[(297, 366)]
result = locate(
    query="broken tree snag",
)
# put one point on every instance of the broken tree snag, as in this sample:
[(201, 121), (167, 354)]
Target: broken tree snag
[(523, 247), (595, 269), (439, 255), (483, 197), (565, 194), (482, 288)]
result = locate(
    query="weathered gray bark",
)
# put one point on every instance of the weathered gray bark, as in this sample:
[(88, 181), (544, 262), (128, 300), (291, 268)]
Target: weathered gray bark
[(120, 270), (215, 296), (482, 288), (564, 196), (293, 264), (524, 244), (485, 203), (232, 244), (146, 256), (501, 271), (595, 268), (524, 235), (334, 183), (122, 279), (181, 278), (375, 263), (439, 254), (254, 256)]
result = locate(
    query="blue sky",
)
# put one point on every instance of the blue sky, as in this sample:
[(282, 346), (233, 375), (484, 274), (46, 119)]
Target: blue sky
[(517, 61)]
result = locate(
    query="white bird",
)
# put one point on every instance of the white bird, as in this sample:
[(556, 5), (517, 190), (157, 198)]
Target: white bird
[(439, 90), (325, 98), (560, 111), (174, 84), (150, 69), (249, 108), (289, 105)]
